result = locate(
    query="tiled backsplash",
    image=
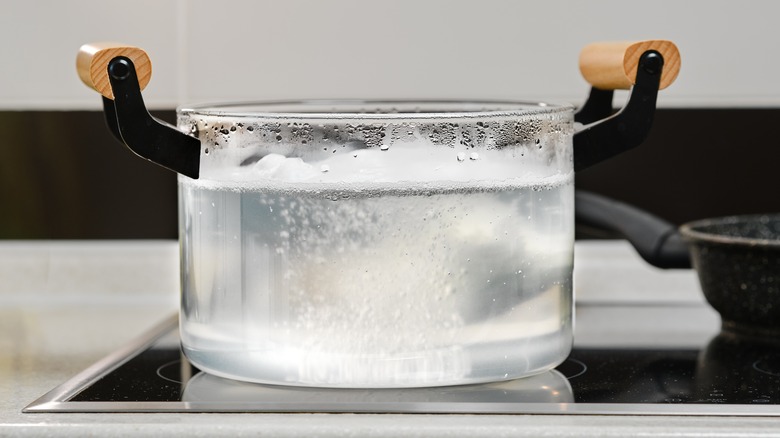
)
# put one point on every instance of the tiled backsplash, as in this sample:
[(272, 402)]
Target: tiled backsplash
[(247, 49), (63, 176)]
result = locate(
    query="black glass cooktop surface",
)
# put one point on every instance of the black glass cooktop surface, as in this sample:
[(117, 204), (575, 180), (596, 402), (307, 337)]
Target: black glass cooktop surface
[(729, 375)]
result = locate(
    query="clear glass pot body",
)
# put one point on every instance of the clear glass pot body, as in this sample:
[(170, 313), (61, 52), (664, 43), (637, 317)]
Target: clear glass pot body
[(378, 244)]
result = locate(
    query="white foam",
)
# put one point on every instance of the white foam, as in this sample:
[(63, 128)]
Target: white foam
[(281, 168), (400, 165)]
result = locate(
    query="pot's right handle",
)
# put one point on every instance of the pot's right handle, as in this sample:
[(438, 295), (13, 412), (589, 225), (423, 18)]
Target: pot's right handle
[(645, 67), (613, 65)]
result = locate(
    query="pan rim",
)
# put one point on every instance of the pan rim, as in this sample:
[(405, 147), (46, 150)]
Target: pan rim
[(693, 231)]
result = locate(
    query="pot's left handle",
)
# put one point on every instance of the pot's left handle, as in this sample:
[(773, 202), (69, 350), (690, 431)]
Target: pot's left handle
[(93, 59), (644, 67), (119, 72)]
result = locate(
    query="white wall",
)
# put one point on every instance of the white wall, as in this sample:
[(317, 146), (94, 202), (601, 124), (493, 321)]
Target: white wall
[(242, 49)]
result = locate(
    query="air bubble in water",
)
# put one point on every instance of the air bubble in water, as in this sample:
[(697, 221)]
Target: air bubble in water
[(461, 156), (474, 156)]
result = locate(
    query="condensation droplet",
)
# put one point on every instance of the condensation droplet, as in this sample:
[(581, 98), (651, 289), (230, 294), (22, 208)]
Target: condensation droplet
[(461, 156)]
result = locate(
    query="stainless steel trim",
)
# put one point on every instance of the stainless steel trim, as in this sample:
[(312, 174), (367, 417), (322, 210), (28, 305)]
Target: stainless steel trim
[(415, 408), (56, 400)]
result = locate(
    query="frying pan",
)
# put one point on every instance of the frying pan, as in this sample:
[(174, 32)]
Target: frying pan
[(737, 258)]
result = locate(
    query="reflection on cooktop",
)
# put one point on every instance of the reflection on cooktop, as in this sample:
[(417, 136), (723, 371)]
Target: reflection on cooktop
[(628, 376), (732, 375), (588, 376)]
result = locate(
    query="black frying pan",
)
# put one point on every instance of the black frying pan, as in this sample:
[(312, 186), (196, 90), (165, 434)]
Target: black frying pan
[(737, 257)]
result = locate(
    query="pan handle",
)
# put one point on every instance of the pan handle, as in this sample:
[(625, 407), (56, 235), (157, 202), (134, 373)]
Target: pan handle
[(645, 67), (119, 72), (656, 240)]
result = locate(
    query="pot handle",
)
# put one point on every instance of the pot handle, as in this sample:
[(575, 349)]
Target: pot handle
[(92, 60), (645, 67), (119, 72), (613, 65), (657, 241)]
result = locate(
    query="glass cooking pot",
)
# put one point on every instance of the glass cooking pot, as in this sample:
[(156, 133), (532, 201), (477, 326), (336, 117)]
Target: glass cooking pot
[(377, 244)]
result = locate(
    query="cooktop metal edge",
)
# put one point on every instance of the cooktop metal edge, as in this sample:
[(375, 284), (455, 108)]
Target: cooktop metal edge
[(56, 400)]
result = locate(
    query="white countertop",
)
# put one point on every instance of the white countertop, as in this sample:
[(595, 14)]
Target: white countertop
[(64, 305)]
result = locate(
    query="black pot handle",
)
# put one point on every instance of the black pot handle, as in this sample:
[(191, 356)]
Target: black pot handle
[(656, 240), (111, 70), (645, 67), (119, 73)]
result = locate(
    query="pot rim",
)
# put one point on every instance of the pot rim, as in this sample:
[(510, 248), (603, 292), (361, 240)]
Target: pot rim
[(482, 109), (695, 231)]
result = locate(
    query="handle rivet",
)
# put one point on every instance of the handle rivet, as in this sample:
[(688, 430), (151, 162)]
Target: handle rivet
[(652, 62), (119, 69)]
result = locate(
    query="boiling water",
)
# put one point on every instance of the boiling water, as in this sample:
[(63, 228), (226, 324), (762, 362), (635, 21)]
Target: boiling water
[(376, 288)]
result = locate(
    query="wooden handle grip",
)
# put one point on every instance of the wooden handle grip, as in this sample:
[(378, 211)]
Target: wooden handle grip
[(92, 65), (612, 65)]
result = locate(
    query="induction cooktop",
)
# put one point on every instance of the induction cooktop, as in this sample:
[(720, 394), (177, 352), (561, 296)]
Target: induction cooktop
[(727, 374)]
